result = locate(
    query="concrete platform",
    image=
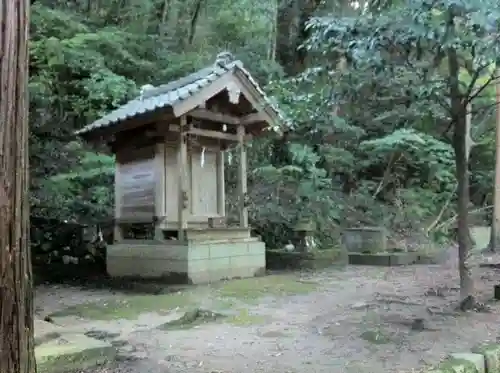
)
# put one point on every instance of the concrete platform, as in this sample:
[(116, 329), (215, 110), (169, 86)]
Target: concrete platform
[(59, 352), (194, 262)]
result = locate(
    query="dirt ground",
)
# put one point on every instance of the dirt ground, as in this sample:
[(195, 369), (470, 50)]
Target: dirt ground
[(356, 319)]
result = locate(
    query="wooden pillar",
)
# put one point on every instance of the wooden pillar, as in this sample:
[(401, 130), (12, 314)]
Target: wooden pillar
[(242, 178), (159, 165), (117, 232), (117, 229), (221, 195), (182, 159)]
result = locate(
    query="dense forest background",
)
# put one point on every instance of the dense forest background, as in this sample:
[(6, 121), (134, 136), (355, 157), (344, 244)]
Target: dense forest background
[(366, 84)]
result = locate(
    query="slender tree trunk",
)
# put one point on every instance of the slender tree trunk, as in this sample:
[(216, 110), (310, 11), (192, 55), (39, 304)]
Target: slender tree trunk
[(461, 144), (495, 221), (463, 236), (291, 21), (195, 15), (165, 12), (16, 293)]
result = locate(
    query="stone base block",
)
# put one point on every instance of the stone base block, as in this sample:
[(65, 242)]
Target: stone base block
[(195, 262), (58, 352), (491, 354), (365, 239), (462, 363), (281, 259), (383, 259)]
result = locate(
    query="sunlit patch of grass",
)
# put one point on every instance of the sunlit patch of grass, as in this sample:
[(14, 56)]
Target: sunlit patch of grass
[(219, 297), (131, 306), (258, 287)]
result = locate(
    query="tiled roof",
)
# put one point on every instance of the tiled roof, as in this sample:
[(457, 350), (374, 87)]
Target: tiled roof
[(166, 95)]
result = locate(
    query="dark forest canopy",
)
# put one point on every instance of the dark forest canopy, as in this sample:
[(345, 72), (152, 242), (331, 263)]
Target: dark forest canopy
[(367, 84)]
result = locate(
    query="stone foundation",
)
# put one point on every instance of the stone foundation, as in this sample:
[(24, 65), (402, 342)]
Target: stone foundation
[(365, 240), (482, 359), (281, 259), (395, 259), (194, 262), (383, 259)]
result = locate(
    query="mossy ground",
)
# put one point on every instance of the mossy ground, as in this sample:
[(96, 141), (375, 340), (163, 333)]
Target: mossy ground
[(376, 337), (197, 317), (217, 297), (251, 289)]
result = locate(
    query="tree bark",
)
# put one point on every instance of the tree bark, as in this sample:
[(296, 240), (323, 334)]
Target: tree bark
[(291, 21), (195, 14), (461, 145), (495, 220), (16, 292)]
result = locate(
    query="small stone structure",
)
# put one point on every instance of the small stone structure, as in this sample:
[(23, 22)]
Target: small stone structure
[(365, 240), (368, 246), (483, 359), (169, 145)]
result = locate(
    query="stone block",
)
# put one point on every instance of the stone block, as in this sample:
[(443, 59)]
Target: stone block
[(72, 352), (401, 259), (198, 251), (476, 360), (238, 249), (370, 259), (382, 259), (256, 248), (144, 268), (148, 251), (365, 239), (239, 261), (219, 264), (199, 265), (255, 261), (463, 363), (220, 250), (491, 354)]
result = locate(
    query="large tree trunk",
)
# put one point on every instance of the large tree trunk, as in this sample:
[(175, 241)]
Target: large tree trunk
[(291, 21), (16, 293)]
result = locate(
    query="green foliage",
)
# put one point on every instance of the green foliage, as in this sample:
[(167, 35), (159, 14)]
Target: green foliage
[(370, 141)]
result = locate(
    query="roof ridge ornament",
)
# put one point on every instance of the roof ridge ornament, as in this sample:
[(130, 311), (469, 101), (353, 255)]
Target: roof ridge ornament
[(145, 88), (223, 59)]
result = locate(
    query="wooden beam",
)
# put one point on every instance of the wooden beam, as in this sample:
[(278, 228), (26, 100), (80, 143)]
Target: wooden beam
[(255, 98), (208, 133), (252, 119), (210, 90), (205, 114), (226, 118), (242, 178)]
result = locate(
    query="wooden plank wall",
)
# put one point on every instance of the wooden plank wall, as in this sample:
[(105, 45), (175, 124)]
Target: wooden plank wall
[(135, 184)]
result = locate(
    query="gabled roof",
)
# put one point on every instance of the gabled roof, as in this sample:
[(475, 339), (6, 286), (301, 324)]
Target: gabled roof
[(167, 95)]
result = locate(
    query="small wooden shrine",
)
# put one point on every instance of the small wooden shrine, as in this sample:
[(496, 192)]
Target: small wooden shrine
[(169, 146)]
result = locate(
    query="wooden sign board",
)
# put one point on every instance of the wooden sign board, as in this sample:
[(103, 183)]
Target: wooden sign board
[(136, 189)]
